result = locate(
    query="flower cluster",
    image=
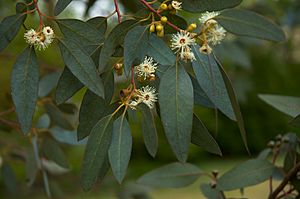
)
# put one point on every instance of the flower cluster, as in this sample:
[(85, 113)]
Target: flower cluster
[(146, 69), (212, 33), (181, 43), (42, 39), (146, 95)]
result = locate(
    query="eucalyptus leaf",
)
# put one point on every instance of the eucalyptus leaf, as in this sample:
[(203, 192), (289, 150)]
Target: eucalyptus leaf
[(47, 83), (246, 174), (114, 39), (24, 87), (82, 66), (60, 6), (67, 86), (211, 81), (208, 5), (176, 100), (66, 136), (9, 28), (139, 43), (57, 117), (173, 175), (202, 138), (120, 148), (96, 152), (200, 97), (149, 129), (211, 193), (247, 23), (286, 104)]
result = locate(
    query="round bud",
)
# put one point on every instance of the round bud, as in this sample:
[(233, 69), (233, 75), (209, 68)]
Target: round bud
[(164, 6), (160, 33), (159, 28), (164, 19), (192, 27), (152, 28), (42, 37), (271, 144)]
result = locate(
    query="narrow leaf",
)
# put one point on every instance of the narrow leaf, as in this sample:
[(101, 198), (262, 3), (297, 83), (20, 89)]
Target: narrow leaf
[(200, 97), (208, 5), (60, 6), (173, 175), (24, 87), (120, 148), (149, 129), (96, 152), (82, 66), (67, 86), (249, 173), (286, 104), (114, 39), (176, 100), (247, 23), (9, 28), (47, 83), (202, 138), (57, 117), (211, 81)]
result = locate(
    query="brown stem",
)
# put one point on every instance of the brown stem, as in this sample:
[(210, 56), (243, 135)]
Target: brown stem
[(7, 112), (292, 173), (118, 11), (157, 13)]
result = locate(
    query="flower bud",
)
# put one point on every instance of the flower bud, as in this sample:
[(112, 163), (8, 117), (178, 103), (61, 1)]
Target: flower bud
[(161, 33), (152, 28), (164, 19), (205, 49), (164, 6), (271, 144), (159, 28), (192, 27)]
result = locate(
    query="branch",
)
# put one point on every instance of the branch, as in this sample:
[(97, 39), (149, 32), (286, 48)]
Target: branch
[(285, 181), (118, 11), (154, 11)]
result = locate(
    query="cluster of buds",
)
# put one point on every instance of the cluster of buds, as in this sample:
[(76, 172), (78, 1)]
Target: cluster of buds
[(279, 141), (40, 39), (158, 26), (211, 32), (181, 43), (173, 7)]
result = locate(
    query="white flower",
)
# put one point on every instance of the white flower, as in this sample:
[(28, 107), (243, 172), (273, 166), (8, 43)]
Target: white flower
[(132, 104), (181, 42), (207, 16), (30, 37), (215, 34), (147, 68), (147, 96), (176, 5), (48, 31)]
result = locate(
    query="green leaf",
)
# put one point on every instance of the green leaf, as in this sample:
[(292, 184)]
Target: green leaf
[(9, 179), (246, 174), (286, 104), (177, 21), (31, 168), (82, 66), (149, 129), (67, 86), (60, 6), (9, 28), (208, 5), (82, 33), (47, 83), (66, 136), (173, 175), (57, 117), (109, 85), (139, 42), (120, 148), (176, 100), (52, 151), (114, 39), (211, 81), (24, 87), (247, 23), (100, 23), (202, 138), (93, 108), (68, 108), (235, 104), (200, 97), (211, 193), (96, 152)]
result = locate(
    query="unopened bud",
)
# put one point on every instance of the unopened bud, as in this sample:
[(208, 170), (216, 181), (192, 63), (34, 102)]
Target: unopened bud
[(164, 19), (152, 28), (161, 33), (192, 27), (164, 6), (159, 28), (205, 49)]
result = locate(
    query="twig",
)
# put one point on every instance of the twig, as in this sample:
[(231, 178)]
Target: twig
[(154, 11), (118, 11), (288, 177), (7, 111)]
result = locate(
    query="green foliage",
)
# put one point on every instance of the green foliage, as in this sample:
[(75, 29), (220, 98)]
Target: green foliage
[(24, 86), (208, 5), (172, 175), (176, 105), (60, 6)]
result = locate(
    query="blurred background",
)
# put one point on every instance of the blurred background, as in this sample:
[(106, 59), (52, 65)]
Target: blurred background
[(254, 66)]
